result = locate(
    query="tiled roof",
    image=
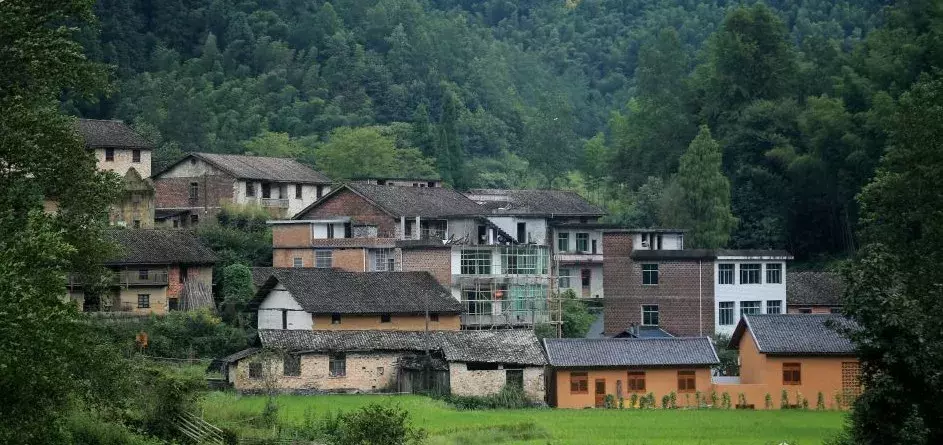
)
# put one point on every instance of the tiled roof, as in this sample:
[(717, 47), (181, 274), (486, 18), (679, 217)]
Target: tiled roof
[(795, 334), (260, 168), (491, 346), (425, 202), (110, 133), (534, 202), (664, 255), (158, 246), (321, 291), (814, 288), (260, 275), (754, 253), (644, 332), (630, 352)]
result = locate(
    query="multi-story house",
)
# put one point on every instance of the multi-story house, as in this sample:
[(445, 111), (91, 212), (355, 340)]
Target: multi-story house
[(686, 292), (120, 149), (200, 184), (154, 271), (748, 282)]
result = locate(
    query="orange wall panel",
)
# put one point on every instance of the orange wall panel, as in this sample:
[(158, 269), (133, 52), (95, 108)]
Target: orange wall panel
[(659, 382)]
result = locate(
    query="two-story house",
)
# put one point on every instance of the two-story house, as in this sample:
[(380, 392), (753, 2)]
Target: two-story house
[(559, 221), (120, 149), (200, 184), (154, 271)]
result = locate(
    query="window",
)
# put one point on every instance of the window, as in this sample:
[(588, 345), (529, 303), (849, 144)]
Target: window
[(750, 273), (298, 191), (521, 232), (250, 188), (475, 262), (330, 231), (774, 273), (725, 274), (805, 310), (478, 300), (579, 383), (582, 242), (385, 318), (514, 378), (322, 258), (564, 280), (144, 301), (384, 260), (319, 192), (136, 156), (337, 366), (194, 220), (266, 190), (184, 273), (335, 318), (142, 274), (193, 192), (434, 317), (585, 275), (563, 242), (255, 370), (595, 245), (173, 304), (725, 313), (792, 374), (297, 262), (636, 381), (650, 314), (109, 155), (284, 319), (774, 307), (291, 365), (750, 307), (650, 274), (136, 224), (687, 381)]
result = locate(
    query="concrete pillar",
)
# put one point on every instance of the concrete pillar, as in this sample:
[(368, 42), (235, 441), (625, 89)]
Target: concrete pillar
[(416, 234), (402, 227)]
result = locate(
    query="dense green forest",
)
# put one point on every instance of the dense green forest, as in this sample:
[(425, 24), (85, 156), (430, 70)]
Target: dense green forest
[(600, 96)]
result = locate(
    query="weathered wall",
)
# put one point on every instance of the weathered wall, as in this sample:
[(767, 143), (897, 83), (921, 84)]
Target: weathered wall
[(291, 235), (322, 322), (174, 192), (659, 382), (353, 260), (286, 257), (482, 383), (366, 372), (347, 203), (123, 161), (128, 299), (435, 260)]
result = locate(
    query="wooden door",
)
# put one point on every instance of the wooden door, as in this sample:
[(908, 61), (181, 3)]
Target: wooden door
[(600, 393)]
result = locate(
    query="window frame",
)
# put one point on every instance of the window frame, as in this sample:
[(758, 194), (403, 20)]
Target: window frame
[(586, 277), (475, 262), (759, 307), (775, 271), (721, 310), (337, 362), (579, 383), (250, 189), (193, 191), (295, 369), (650, 274), (633, 379), (144, 301), (255, 371), (647, 310), (433, 317), (582, 238), (518, 378), (109, 154), (563, 278), (726, 273), (386, 317), (750, 273), (687, 381), (336, 318), (136, 156), (778, 304), (297, 262), (144, 274), (322, 255), (792, 374), (563, 241), (299, 191)]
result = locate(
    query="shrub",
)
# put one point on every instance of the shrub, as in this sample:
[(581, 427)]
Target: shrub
[(784, 400), (713, 398), (643, 402), (651, 400), (687, 400), (674, 399), (507, 398), (665, 401), (768, 401), (742, 400), (633, 402), (609, 401), (799, 399), (374, 424), (725, 400), (87, 428), (697, 398), (621, 402)]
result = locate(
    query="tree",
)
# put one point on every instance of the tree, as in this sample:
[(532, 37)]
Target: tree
[(278, 145), (700, 197), (549, 140), (371, 152), (894, 293), (576, 317), (449, 151), (49, 358)]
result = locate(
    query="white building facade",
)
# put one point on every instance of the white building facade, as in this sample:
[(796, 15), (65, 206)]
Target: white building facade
[(748, 283)]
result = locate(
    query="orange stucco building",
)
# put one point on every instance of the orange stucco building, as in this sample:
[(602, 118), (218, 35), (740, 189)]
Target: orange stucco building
[(584, 371), (802, 354)]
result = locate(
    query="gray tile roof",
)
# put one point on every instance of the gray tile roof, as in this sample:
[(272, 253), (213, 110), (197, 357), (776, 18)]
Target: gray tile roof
[(534, 202), (814, 289), (795, 334), (260, 275), (321, 291), (110, 133), (426, 202), (259, 168), (754, 253), (158, 246), (665, 255), (630, 352), (491, 346)]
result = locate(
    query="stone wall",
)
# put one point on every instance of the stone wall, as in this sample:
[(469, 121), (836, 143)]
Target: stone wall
[(482, 383), (366, 372)]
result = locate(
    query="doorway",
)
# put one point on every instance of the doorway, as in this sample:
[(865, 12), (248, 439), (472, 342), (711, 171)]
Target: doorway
[(600, 393)]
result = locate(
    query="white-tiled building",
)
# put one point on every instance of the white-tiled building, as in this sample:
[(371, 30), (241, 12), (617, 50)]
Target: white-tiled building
[(748, 282)]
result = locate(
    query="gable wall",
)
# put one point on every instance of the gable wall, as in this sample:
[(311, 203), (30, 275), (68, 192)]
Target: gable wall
[(348, 203)]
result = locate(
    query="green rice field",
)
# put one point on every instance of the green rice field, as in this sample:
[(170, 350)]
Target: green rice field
[(446, 425)]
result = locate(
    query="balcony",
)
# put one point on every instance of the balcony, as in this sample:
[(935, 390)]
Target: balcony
[(275, 203), (134, 278), (578, 257)]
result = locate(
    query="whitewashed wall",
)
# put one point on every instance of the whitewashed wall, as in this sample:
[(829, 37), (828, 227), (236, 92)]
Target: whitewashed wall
[(278, 300), (738, 293)]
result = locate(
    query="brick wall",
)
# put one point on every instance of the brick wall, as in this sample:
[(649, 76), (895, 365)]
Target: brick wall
[(348, 203), (677, 292), (174, 193), (435, 260), (353, 260), (291, 235), (286, 257)]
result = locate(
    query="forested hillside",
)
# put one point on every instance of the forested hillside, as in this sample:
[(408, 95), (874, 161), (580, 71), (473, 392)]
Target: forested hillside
[(602, 96)]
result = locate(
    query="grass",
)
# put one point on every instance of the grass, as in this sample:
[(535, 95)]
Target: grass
[(548, 426)]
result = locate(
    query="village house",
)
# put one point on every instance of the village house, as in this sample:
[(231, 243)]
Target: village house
[(155, 271), (330, 299), (401, 181), (199, 185), (803, 355), (471, 363), (686, 292), (120, 149), (583, 372), (814, 292)]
